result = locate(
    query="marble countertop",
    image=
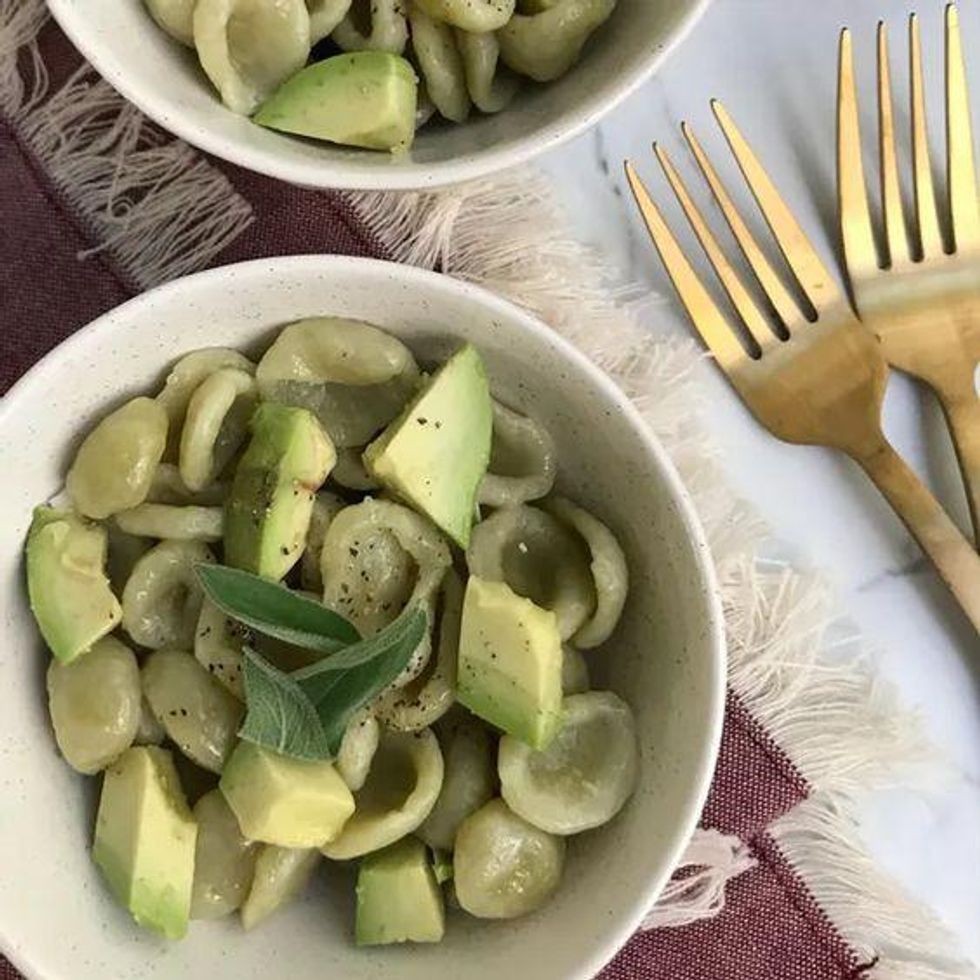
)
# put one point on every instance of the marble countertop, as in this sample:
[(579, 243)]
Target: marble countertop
[(774, 64)]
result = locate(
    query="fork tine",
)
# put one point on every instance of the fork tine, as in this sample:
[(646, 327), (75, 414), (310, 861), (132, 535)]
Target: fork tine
[(896, 235), (930, 240), (709, 321), (855, 216), (810, 272), (785, 306), (753, 318), (964, 206)]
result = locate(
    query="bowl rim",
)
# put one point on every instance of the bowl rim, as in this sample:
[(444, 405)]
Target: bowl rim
[(327, 175), (118, 320)]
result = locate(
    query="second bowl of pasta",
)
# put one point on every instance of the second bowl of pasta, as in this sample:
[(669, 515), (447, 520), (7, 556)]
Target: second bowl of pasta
[(360, 611), (387, 94)]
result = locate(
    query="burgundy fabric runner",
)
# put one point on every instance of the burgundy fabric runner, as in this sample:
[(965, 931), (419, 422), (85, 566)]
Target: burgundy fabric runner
[(771, 929)]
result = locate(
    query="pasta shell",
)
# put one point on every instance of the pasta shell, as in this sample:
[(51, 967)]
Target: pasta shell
[(198, 714), (357, 749), (176, 523), (281, 873), (400, 791), (441, 65), (544, 46), (114, 465), (503, 866), (95, 704), (491, 87), (539, 558), (162, 598), (523, 460), (215, 425), (326, 507), (224, 861), (325, 15), (574, 672), (470, 15), (388, 27), (610, 573), (584, 777), (176, 17), (469, 782), (349, 471), (352, 376), (248, 48)]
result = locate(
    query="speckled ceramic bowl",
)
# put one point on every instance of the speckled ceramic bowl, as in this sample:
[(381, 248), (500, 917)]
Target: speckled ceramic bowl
[(667, 658), (166, 82)]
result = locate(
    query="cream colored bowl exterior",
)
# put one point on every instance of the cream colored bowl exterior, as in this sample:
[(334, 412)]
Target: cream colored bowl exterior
[(164, 80), (667, 658)]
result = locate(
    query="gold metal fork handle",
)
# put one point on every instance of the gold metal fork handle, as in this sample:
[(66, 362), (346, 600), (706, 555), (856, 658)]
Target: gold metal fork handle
[(955, 560), (963, 416)]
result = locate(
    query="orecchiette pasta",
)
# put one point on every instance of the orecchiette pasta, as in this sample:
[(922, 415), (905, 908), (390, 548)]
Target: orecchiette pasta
[(198, 714), (538, 557), (224, 861), (349, 471), (325, 508), (176, 523), (423, 701), (114, 465), (123, 552), (377, 557), (400, 791), (354, 377), (95, 704), (434, 44), (281, 873), (150, 731), (468, 753), (544, 46), (470, 15), (574, 672), (186, 375), (387, 30), (325, 15), (248, 47), (215, 425), (161, 602), (503, 866), (610, 572), (523, 460), (167, 487), (176, 17), (490, 88), (583, 778), (218, 648), (357, 749)]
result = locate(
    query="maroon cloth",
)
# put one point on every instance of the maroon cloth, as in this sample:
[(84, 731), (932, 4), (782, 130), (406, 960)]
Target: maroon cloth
[(771, 928)]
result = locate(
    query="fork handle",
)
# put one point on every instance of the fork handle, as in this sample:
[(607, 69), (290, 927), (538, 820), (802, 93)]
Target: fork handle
[(955, 560), (963, 417)]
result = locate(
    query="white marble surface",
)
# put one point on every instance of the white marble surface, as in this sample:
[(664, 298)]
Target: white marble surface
[(774, 64)]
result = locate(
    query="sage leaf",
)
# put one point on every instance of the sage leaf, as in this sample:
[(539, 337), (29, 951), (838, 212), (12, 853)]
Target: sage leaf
[(280, 716), (274, 610)]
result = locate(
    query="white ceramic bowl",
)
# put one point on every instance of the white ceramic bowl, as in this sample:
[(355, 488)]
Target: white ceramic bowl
[(667, 659), (164, 80)]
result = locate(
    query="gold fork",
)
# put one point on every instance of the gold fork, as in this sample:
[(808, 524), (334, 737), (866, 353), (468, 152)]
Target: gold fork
[(923, 304), (824, 383)]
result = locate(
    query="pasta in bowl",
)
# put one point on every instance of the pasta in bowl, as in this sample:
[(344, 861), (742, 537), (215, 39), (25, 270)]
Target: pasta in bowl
[(419, 785), (310, 91)]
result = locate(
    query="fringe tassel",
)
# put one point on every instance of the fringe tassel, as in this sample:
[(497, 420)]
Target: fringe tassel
[(150, 201), (817, 697)]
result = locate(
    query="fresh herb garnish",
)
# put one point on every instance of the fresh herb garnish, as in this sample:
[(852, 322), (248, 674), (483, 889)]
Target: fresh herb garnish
[(274, 610), (304, 713)]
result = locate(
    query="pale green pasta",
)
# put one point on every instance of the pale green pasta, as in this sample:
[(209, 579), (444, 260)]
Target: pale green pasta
[(490, 86), (388, 27), (325, 15), (176, 17), (349, 471), (248, 47), (441, 64), (574, 671), (544, 46), (358, 748), (176, 523), (224, 861), (325, 508), (523, 461)]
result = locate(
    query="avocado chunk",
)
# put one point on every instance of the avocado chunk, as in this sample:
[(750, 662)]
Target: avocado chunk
[(510, 662), (398, 898), (285, 801), (145, 838), (364, 98), (67, 584), (436, 452), (272, 494)]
